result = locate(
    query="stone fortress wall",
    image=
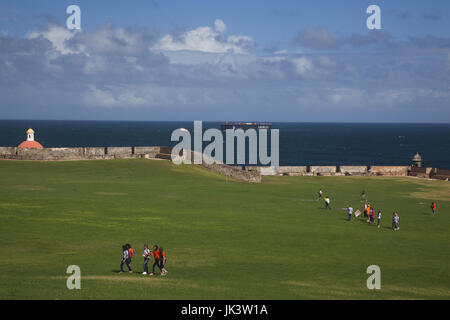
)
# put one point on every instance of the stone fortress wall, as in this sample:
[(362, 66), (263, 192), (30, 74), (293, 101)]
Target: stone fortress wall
[(88, 153), (249, 173), (421, 172), (99, 153), (332, 170)]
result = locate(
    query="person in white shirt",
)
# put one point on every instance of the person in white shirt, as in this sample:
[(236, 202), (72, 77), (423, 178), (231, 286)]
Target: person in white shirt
[(327, 203), (349, 212), (379, 219), (146, 254), (395, 221)]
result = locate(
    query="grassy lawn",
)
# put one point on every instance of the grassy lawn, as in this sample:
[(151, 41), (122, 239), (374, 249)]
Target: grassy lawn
[(224, 240)]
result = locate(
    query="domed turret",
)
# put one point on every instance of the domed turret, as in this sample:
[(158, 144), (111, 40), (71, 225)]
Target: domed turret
[(417, 160), (30, 143)]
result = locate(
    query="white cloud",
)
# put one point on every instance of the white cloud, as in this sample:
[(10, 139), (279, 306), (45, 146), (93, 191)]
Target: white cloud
[(146, 95), (303, 65), (206, 39), (57, 36), (114, 97), (220, 26), (112, 70)]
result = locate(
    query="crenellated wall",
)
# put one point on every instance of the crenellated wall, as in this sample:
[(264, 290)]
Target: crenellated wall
[(250, 173), (292, 170), (421, 172), (430, 173), (149, 151), (54, 154), (353, 170), (441, 174), (94, 153), (6, 152), (388, 170), (323, 170), (120, 152)]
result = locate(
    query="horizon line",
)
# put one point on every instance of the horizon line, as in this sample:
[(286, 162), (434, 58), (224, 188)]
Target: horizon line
[(223, 121)]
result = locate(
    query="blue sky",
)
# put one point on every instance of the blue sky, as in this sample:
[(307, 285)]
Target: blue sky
[(226, 60)]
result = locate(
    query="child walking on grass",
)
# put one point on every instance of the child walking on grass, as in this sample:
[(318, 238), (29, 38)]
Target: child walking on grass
[(327, 203), (395, 221), (379, 219), (146, 254), (433, 208), (160, 260), (125, 259), (349, 212)]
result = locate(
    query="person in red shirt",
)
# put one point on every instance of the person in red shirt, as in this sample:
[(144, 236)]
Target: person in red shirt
[(433, 207), (163, 261), (157, 256), (131, 251)]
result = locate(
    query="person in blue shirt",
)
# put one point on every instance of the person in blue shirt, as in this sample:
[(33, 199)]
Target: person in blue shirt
[(125, 259)]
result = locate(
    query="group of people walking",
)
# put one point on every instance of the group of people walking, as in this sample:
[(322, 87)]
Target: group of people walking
[(157, 253), (369, 211)]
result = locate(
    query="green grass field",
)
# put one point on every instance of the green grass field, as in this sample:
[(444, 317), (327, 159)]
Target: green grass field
[(224, 240)]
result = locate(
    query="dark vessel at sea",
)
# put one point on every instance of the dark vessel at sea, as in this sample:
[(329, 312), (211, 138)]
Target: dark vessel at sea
[(245, 125)]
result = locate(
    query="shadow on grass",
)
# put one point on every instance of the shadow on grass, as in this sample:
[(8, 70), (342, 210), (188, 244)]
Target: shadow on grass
[(125, 271), (372, 224)]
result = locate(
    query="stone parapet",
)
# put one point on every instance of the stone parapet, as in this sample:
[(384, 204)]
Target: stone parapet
[(389, 170)]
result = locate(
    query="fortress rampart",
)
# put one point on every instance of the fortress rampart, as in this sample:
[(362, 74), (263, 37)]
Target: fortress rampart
[(88, 153), (421, 172), (98, 153), (249, 173)]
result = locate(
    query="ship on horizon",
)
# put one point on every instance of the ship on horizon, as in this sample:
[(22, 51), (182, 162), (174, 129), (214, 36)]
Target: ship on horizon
[(245, 125)]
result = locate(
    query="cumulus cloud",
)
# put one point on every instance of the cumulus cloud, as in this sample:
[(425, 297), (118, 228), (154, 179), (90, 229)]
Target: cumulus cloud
[(206, 39), (220, 26), (57, 36), (124, 72)]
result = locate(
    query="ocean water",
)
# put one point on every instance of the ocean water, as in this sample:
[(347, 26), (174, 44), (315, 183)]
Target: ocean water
[(300, 143)]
